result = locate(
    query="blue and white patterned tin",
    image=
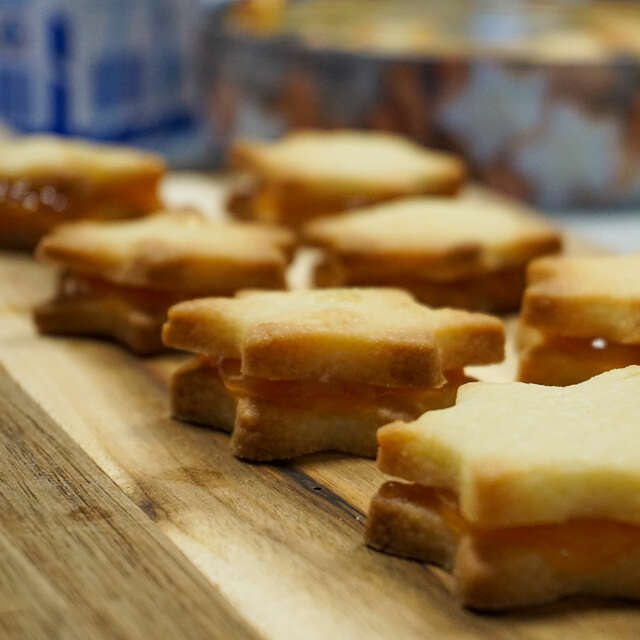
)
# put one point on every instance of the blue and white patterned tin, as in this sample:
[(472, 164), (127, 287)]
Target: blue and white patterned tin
[(113, 70)]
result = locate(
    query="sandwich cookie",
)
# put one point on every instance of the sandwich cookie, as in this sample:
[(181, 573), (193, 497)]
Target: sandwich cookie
[(118, 279), (317, 173), (45, 181), (320, 370), (525, 493)]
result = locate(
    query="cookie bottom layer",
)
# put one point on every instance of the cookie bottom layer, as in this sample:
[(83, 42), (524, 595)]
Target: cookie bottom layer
[(294, 207), (199, 395), (267, 431), (565, 361), (137, 329), (90, 306), (282, 427), (499, 291), (505, 568)]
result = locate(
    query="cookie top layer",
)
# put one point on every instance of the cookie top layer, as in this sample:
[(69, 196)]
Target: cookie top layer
[(35, 157), (438, 238), (585, 297), (375, 336), (522, 454), (351, 162), (176, 250)]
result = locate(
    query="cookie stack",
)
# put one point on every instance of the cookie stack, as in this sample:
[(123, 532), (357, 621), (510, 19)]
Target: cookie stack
[(310, 371), (465, 252), (118, 279), (318, 173), (45, 181), (580, 317), (525, 493)]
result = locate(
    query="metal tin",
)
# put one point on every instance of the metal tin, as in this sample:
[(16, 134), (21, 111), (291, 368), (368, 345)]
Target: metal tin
[(558, 133)]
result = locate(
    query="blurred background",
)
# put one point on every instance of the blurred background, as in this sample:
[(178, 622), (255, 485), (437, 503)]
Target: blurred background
[(541, 98)]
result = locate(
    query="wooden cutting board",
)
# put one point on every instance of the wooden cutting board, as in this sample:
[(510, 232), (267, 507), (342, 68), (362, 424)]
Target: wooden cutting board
[(118, 522)]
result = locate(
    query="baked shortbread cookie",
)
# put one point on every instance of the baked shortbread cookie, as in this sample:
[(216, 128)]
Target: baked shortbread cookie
[(525, 493), (198, 394), (580, 317), (317, 173), (462, 252), (323, 369), (119, 278), (45, 181)]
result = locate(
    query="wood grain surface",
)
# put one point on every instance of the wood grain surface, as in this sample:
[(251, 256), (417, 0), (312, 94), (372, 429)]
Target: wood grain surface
[(281, 543), (79, 560)]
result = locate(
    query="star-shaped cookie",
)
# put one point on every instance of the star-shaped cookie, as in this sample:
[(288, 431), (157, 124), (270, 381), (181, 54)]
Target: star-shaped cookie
[(527, 493)]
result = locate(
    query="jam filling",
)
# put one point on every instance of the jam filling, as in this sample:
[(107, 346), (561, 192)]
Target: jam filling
[(61, 198), (80, 288), (307, 393), (578, 545), (273, 204)]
